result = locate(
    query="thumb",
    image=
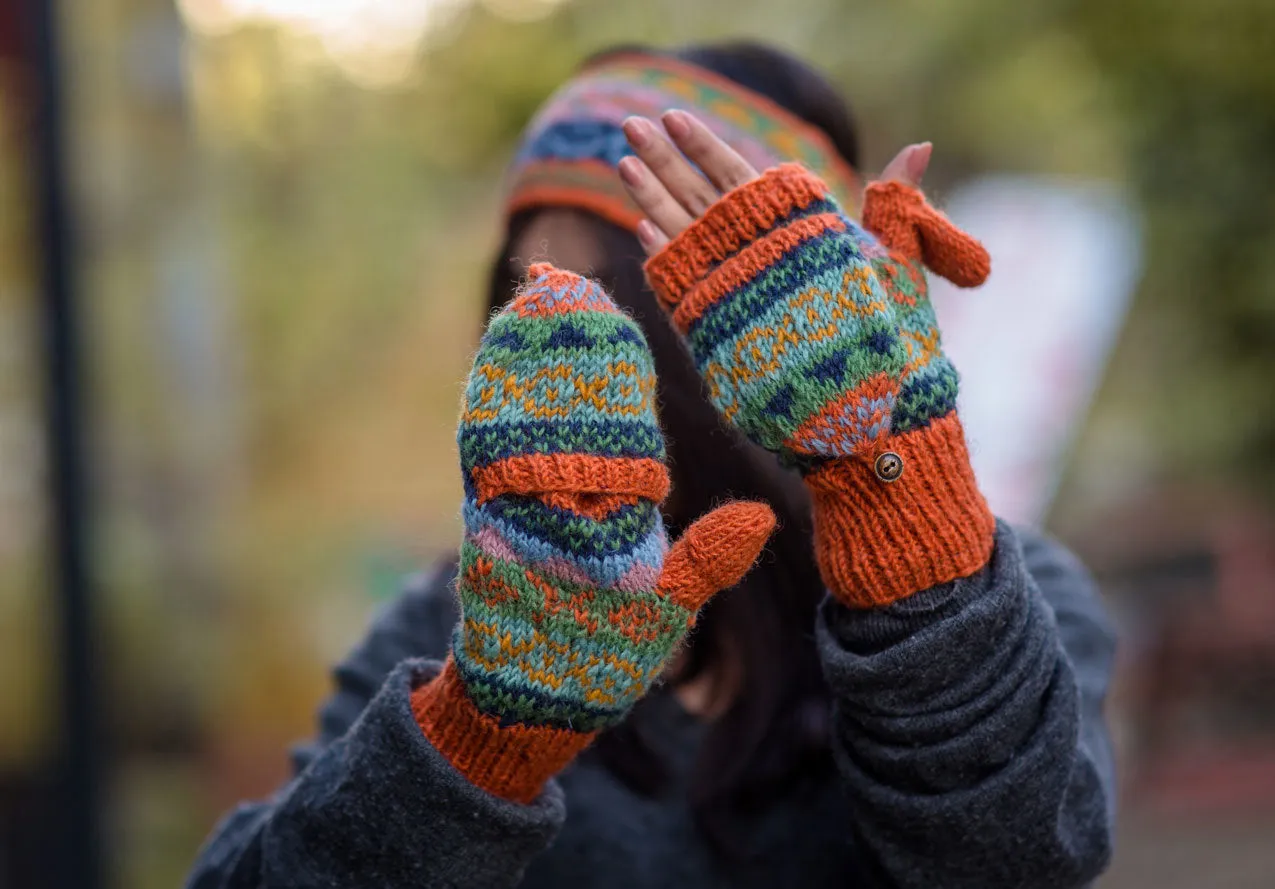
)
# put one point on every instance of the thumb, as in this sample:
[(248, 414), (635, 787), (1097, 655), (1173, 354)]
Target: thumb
[(950, 252), (895, 210), (909, 165), (716, 552)]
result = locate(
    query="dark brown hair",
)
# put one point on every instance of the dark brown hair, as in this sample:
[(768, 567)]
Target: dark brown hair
[(773, 736)]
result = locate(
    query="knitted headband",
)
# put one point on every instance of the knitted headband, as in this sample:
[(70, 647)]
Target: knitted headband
[(569, 152)]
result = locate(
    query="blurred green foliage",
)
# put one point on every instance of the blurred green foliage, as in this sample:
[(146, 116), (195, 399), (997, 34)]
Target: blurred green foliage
[(284, 272), (1196, 84)]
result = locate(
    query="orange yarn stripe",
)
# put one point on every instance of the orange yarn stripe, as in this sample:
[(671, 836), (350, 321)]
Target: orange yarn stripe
[(592, 506), (875, 387), (750, 262), (616, 208), (534, 474), (529, 304), (877, 543), (512, 762), (738, 217)]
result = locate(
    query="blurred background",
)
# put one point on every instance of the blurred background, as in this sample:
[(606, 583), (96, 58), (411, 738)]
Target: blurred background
[(277, 215)]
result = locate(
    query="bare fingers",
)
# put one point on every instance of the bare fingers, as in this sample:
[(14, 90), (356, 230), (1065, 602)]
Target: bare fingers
[(650, 237), (683, 181), (909, 165), (723, 165), (666, 185), (653, 198)]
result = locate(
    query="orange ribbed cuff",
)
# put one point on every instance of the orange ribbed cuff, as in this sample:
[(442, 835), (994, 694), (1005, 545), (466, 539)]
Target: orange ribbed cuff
[(512, 762), (877, 542), (738, 218), (572, 474)]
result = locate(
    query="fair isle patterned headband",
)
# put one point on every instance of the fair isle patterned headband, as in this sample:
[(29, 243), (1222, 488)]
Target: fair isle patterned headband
[(569, 153)]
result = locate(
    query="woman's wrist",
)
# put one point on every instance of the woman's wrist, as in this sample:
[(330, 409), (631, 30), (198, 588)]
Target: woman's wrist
[(816, 339), (509, 761), (912, 519), (741, 218)]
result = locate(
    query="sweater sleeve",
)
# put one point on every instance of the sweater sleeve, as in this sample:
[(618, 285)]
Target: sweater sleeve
[(372, 800), (969, 728)]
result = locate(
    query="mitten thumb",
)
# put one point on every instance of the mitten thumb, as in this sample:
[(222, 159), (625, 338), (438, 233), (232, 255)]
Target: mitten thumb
[(905, 222), (715, 552)]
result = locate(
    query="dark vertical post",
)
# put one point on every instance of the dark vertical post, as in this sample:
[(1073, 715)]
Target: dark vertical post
[(79, 865)]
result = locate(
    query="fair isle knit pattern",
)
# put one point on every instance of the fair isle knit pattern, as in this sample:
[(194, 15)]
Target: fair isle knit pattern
[(563, 461), (911, 235), (817, 340), (571, 599), (811, 337), (570, 151), (928, 383)]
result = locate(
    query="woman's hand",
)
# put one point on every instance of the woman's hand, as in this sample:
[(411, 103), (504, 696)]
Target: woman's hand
[(572, 599), (673, 194), (816, 339)]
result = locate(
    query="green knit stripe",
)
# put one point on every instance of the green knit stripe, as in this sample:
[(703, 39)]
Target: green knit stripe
[(543, 650)]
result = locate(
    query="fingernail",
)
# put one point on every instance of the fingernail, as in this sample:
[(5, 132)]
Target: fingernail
[(646, 233), (637, 130), (919, 160), (629, 171), (677, 123)]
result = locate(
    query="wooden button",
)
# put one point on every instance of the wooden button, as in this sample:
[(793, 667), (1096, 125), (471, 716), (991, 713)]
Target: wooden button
[(888, 467)]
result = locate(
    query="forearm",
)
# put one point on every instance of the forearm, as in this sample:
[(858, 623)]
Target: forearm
[(975, 756), (380, 801), (962, 730), (572, 598)]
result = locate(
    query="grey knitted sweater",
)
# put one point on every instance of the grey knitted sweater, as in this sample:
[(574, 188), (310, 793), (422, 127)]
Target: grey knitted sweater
[(968, 737)]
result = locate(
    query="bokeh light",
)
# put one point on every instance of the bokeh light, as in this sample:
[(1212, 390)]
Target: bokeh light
[(374, 42)]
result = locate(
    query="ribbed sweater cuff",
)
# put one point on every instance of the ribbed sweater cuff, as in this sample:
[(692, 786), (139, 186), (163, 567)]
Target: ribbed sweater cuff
[(877, 542), (512, 762), (740, 217)]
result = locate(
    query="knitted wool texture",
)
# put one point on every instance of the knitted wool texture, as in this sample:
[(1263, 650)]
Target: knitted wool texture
[(571, 600), (819, 342), (569, 153)]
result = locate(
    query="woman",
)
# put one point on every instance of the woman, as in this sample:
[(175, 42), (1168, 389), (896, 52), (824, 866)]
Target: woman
[(919, 704)]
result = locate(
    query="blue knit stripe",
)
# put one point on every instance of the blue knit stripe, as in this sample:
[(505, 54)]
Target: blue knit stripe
[(814, 208), (484, 443), (927, 394), (511, 338), (814, 257), (621, 532), (508, 697), (576, 140), (770, 408), (603, 554)]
